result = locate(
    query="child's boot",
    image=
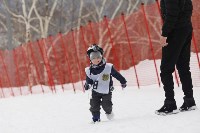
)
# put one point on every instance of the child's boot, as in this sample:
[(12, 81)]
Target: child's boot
[(110, 116), (96, 118)]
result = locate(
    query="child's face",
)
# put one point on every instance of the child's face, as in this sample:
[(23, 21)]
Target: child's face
[(95, 57), (96, 61)]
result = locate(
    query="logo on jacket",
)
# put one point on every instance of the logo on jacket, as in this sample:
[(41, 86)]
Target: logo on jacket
[(105, 77)]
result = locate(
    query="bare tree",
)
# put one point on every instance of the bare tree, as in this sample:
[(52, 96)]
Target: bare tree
[(39, 18), (30, 14)]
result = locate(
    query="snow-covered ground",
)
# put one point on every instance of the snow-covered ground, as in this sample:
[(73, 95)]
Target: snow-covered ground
[(69, 113)]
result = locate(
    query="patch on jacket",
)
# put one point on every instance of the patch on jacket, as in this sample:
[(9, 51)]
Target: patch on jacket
[(105, 77)]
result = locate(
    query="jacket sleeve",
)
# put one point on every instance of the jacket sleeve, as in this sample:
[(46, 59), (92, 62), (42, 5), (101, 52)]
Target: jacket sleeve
[(118, 76), (172, 10), (88, 80)]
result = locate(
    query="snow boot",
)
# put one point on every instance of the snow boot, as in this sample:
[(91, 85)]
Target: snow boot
[(168, 108), (188, 104), (110, 116), (96, 118)]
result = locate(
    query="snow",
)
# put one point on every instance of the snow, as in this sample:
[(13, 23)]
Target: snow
[(68, 112)]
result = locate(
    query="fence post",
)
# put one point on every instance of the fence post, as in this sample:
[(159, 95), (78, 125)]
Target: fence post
[(79, 66), (1, 87), (112, 42), (5, 68), (57, 63), (17, 70), (48, 65), (127, 36), (36, 68), (196, 49), (150, 42), (84, 42), (68, 64), (26, 68), (47, 70), (91, 29)]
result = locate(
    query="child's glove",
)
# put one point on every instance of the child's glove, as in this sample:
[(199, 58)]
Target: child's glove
[(123, 85), (87, 86)]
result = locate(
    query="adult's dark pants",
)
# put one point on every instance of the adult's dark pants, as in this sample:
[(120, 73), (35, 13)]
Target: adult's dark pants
[(177, 52), (97, 100)]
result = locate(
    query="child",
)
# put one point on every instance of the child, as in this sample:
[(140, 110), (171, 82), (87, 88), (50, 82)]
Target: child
[(99, 77)]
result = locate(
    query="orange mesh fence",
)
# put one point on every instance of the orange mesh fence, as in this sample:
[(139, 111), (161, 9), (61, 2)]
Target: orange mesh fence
[(130, 42)]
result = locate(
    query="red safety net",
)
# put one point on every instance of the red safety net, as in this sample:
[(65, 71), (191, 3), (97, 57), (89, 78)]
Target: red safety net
[(130, 42)]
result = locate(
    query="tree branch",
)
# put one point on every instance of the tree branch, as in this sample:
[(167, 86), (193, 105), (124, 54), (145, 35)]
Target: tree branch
[(117, 9), (31, 9), (4, 26), (24, 8), (12, 13)]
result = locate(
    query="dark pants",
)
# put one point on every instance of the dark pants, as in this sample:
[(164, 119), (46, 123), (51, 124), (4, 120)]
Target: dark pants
[(100, 99), (177, 52)]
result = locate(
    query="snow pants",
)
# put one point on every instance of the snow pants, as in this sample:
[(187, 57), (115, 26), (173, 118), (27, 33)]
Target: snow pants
[(97, 100), (177, 52)]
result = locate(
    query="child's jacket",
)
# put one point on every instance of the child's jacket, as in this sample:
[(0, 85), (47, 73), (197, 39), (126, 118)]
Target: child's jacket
[(100, 77)]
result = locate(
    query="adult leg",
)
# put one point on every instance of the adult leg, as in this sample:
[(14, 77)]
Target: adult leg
[(183, 66), (170, 55)]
